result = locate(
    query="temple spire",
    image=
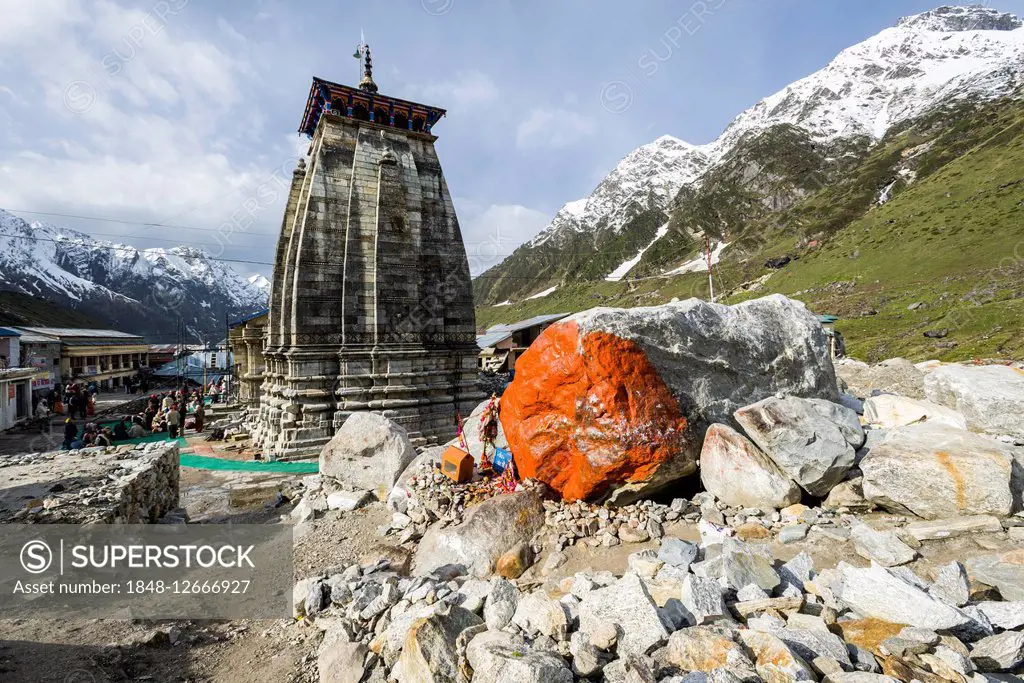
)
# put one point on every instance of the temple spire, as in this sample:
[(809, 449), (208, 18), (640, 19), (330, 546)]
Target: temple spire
[(366, 83)]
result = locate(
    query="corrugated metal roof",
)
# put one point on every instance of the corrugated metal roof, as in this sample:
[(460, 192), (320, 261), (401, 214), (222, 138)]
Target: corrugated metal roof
[(529, 322), (499, 333), (492, 339), (249, 317), (79, 332), (29, 337)]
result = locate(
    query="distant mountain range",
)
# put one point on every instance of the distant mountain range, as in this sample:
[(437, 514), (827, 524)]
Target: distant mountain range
[(651, 214), (144, 291)]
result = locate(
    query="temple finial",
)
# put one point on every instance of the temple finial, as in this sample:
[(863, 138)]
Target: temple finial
[(366, 83)]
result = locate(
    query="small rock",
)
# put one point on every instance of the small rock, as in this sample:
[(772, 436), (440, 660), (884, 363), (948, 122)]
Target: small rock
[(793, 533), (952, 585), (702, 599), (1001, 652)]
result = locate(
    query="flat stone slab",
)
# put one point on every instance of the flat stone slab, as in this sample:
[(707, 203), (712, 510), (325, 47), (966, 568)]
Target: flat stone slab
[(933, 529)]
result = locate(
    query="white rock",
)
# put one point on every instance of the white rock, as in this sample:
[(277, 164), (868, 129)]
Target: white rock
[(496, 657), (346, 501), (1001, 652), (1006, 615), (804, 438), (501, 604), (538, 613), (935, 471), (369, 452), (629, 606), (952, 585), (740, 475), (702, 599), (948, 528), (884, 547), (890, 411), (991, 397), (875, 592), (338, 659), (644, 563)]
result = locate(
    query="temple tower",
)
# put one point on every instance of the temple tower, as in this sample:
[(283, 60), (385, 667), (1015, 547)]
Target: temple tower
[(371, 302)]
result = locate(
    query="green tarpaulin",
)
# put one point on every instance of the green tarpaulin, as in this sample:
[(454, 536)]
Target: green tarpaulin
[(207, 463)]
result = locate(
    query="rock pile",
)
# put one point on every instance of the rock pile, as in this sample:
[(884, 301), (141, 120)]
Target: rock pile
[(721, 610)]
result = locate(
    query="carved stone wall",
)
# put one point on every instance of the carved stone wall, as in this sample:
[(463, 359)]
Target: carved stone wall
[(371, 303)]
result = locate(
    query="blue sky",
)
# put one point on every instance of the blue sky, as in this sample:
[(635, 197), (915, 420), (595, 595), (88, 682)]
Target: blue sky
[(180, 112)]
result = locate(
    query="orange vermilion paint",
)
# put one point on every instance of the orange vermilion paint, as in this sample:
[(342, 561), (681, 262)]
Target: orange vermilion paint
[(585, 421)]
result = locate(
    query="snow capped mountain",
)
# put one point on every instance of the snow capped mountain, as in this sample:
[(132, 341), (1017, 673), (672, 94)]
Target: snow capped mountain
[(926, 60), (139, 290), (648, 177), (259, 282)]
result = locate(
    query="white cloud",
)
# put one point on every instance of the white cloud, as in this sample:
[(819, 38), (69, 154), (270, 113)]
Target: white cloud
[(550, 127), (493, 231), (466, 89)]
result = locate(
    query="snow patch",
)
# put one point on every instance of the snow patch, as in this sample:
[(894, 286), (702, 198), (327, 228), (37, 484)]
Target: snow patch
[(626, 266), (546, 292), (700, 264)]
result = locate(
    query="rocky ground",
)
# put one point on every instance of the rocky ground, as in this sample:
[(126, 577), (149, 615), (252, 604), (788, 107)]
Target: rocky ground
[(874, 532)]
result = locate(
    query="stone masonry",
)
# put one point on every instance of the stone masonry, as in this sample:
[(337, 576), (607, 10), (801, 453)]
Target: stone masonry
[(371, 303), (118, 485)]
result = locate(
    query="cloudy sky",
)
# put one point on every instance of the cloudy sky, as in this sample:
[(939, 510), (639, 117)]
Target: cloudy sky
[(182, 113)]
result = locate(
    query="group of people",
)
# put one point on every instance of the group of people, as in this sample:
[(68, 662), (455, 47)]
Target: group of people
[(168, 412), (164, 413)]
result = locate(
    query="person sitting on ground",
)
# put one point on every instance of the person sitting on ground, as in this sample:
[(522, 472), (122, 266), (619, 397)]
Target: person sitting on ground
[(70, 432), (167, 402), (104, 437), (121, 430), (136, 431)]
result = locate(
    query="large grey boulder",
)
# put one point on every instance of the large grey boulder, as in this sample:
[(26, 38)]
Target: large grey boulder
[(991, 397), (935, 471), (811, 440), (490, 530), (717, 359), (574, 414), (369, 452), (877, 592), (893, 376), (739, 474), (889, 411)]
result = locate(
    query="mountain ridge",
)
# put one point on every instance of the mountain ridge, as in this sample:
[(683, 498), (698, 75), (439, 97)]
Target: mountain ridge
[(143, 291), (926, 61)]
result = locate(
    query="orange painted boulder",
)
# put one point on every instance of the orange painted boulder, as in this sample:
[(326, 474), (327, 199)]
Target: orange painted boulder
[(612, 404)]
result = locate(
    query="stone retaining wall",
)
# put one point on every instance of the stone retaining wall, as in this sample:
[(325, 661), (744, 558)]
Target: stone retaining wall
[(119, 485)]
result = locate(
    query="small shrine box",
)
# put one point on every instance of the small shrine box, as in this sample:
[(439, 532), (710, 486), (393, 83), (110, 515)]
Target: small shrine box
[(457, 465)]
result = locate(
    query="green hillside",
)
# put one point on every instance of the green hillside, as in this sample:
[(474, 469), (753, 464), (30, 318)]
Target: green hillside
[(950, 239)]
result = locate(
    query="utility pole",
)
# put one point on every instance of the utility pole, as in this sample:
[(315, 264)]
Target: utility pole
[(707, 253)]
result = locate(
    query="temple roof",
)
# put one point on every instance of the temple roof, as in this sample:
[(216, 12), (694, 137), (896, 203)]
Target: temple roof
[(327, 95)]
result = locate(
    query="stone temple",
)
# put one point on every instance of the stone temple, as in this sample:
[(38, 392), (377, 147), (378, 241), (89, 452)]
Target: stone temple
[(371, 304)]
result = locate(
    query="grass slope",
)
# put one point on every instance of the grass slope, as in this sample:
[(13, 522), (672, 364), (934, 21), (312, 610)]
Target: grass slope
[(952, 241), (25, 310)]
